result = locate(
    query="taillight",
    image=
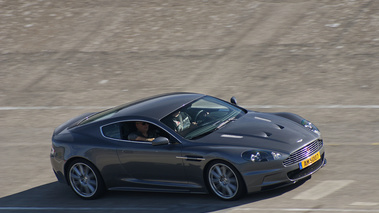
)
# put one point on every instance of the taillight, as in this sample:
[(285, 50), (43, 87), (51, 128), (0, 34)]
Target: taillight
[(52, 152)]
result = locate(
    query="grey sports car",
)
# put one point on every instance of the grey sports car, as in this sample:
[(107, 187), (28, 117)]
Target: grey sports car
[(184, 142)]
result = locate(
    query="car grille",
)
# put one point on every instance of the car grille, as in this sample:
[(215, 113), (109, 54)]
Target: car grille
[(301, 173), (303, 153)]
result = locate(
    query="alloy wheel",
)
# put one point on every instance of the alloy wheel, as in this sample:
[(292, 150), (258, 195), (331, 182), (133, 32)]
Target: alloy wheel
[(83, 180), (223, 181)]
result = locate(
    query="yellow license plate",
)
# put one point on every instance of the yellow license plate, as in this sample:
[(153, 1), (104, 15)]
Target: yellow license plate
[(309, 161)]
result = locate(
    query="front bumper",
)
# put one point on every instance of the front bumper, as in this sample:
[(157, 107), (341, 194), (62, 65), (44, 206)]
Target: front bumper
[(259, 180)]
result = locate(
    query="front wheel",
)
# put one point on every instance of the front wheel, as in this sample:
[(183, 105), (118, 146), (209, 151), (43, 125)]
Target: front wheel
[(225, 181), (85, 180)]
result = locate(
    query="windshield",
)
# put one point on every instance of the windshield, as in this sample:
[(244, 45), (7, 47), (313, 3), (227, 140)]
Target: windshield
[(202, 117)]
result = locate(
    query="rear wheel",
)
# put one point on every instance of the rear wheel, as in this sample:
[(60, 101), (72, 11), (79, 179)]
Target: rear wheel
[(225, 181), (85, 180)]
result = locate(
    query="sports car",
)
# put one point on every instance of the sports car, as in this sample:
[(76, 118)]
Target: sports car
[(185, 143)]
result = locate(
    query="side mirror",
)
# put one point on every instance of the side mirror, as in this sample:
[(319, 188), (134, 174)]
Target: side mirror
[(233, 100), (160, 141)]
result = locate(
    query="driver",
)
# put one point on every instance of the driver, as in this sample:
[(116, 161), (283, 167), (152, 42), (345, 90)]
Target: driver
[(181, 121), (143, 132)]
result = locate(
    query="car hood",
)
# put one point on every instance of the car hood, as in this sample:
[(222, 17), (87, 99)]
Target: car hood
[(263, 131)]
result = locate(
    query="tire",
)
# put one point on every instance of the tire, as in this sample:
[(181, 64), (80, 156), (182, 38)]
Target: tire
[(85, 180), (224, 181)]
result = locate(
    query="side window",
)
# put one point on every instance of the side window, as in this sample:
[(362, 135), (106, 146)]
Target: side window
[(129, 131), (119, 130), (143, 131), (112, 131)]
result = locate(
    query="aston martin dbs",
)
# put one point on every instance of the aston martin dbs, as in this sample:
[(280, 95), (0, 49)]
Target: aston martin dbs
[(184, 143)]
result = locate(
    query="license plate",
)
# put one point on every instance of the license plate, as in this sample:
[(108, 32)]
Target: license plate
[(309, 161)]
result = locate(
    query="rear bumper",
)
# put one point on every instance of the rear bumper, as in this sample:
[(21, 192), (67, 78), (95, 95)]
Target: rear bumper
[(60, 177), (58, 168)]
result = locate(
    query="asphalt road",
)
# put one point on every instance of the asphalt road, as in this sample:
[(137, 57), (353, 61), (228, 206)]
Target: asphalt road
[(317, 58)]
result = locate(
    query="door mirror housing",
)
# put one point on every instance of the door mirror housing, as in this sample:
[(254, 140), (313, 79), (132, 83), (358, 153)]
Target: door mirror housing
[(233, 100), (160, 141)]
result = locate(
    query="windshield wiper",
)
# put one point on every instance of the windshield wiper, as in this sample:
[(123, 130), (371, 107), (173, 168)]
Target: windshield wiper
[(212, 130), (224, 123), (201, 135)]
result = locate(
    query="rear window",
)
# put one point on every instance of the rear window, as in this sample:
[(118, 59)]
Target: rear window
[(112, 131), (101, 115)]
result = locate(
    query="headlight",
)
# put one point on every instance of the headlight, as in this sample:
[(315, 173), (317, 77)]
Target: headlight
[(261, 156), (310, 126)]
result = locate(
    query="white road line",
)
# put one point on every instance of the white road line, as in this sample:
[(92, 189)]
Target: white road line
[(352, 144), (248, 107), (313, 106), (53, 107), (323, 189), (364, 204)]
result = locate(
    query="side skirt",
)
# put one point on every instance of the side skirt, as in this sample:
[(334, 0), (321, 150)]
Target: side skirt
[(140, 189), (160, 186)]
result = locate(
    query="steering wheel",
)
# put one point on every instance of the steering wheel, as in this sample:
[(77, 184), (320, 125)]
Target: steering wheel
[(200, 116)]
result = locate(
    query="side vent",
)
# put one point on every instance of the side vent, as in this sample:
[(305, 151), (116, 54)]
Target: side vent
[(280, 127)]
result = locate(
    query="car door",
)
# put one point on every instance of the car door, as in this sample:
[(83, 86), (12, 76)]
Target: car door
[(153, 166)]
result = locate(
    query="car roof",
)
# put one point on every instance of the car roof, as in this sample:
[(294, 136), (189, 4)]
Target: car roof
[(159, 106)]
